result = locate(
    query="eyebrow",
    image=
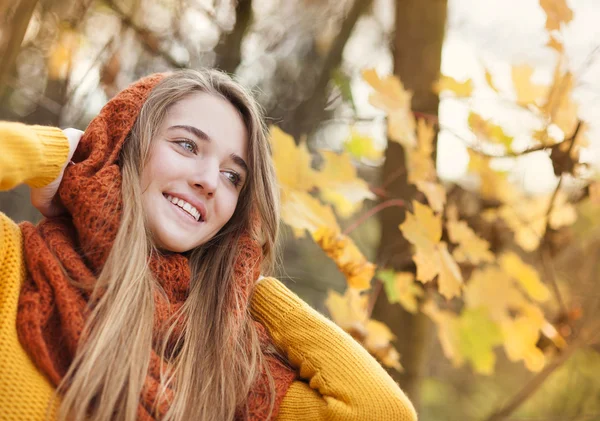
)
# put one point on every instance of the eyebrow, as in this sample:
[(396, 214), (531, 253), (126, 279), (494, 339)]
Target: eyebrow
[(202, 135)]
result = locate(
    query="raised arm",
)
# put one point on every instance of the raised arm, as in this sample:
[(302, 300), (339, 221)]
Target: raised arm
[(34, 155), (342, 381)]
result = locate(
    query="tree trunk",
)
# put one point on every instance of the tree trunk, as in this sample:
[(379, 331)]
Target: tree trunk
[(420, 27)]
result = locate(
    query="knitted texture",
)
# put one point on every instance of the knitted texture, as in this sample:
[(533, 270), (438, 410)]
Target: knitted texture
[(52, 310)]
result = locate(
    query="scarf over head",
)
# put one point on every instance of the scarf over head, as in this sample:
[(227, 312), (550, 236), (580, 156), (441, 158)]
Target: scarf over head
[(52, 309)]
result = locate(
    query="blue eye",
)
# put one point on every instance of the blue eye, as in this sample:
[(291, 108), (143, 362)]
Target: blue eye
[(234, 177), (188, 145)]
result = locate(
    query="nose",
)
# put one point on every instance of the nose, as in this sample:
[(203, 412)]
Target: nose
[(206, 177)]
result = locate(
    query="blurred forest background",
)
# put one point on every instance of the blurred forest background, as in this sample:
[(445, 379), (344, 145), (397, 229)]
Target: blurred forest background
[(438, 161)]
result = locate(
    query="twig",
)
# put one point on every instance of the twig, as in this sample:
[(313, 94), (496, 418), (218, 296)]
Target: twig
[(388, 203)]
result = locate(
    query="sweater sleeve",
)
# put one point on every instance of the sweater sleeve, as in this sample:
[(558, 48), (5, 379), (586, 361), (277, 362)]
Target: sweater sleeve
[(30, 154), (340, 379)]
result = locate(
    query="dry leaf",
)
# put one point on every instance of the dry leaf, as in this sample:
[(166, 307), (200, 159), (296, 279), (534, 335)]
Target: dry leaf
[(471, 248), (527, 92), (557, 12), (435, 194), (339, 184), (526, 275), (304, 213), (401, 288), (460, 89), (488, 131), (292, 162)]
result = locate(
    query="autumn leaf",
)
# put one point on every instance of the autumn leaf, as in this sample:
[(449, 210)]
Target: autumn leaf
[(435, 194), (302, 212), (361, 146), (423, 229), (490, 80), (401, 288), (448, 83), (488, 131), (378, 343), (527, 92), (348, 311), (348, 258), (557, 12), (555, 45), (494, 184), (470, 336), (526, 275), (292, 162), (471, 248), (61, 54), (391, 97), (521, 335), (339, 185), (419, 161)]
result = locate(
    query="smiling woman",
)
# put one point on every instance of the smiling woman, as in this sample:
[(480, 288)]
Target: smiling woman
[(142, 296)]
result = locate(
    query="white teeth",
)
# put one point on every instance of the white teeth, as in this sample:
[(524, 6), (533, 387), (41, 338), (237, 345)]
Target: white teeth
[(185, 206)]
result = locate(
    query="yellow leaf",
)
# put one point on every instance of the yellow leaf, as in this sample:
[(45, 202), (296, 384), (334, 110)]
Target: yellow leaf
[(488, 131), (471, 336), (460, 89), (361, 146), (422, 228), (557, 12), (348, 258), (401, 288), (419, 162), (427, 262), (292, 162), (494, 290), (471, 248), (489, 80), (527, 92), (348, 311), (61, 54), (303, 212), (391, 97), (520, 337), (526, 275), (555, 44), (434, 192), (594, 192), (377, 342), (559, 106), (494, 184), (450, 281), (340, 186)]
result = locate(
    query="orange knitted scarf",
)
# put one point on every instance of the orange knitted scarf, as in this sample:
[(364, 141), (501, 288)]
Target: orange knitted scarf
[(52, 309)]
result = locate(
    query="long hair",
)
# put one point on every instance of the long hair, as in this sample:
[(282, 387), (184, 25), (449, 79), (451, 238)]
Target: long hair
[(217, 360)]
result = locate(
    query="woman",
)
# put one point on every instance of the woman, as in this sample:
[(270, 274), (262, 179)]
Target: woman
[(142, 300)]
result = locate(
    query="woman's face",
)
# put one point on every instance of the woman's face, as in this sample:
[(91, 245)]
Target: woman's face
[(196, 170)]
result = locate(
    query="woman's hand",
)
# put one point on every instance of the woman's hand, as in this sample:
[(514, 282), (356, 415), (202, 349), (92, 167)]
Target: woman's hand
[(45, 199)]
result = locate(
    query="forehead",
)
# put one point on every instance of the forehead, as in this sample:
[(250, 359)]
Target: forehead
[(215, 116)]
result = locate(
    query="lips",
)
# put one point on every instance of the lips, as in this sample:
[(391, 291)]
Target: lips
[(195, 210)]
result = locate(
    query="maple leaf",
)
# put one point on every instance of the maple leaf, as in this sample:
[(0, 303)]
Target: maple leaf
[(471, 248), (348, 311), (521, 335), (557, 12), (419, 162), (470, 336), (302, 212), (434, 192), (348, 258), (378, 343), (448, 83), (391, 97), (555, 45), (423, 229), (494, 184), (339, 184), (527, 276), (486, 130), (401, 288), (292, 162), (61, 54), (527, 92), (490, 80), (361, 146)]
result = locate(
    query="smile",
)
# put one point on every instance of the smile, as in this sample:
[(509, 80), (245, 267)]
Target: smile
[(185, 206)]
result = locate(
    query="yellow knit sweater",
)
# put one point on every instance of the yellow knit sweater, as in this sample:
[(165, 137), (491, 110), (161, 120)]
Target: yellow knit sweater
[(339, 379)]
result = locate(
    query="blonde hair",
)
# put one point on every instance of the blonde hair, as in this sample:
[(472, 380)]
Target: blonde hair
[(218, 361)]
